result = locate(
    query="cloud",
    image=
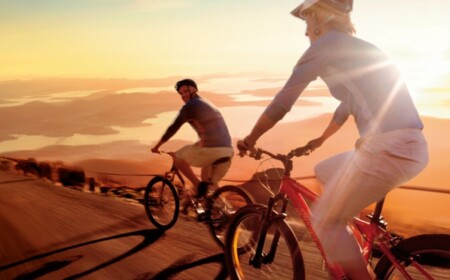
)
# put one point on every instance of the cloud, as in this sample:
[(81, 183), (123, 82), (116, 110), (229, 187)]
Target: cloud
[(40, 87), (66, 107), (149, 5)]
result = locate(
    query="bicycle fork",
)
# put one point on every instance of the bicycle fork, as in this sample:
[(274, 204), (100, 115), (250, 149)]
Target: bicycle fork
[(269, 218)]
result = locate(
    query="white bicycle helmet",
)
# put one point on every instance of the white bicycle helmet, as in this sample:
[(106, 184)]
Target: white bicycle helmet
[(343, 6)]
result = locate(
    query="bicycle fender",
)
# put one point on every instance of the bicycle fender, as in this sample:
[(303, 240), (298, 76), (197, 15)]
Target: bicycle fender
[(158, 177), (402, 249), (429, 238), (161, 178)]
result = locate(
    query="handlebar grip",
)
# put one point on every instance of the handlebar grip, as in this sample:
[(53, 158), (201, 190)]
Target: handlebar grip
[(257, 155), (301, 151), (242, 149)]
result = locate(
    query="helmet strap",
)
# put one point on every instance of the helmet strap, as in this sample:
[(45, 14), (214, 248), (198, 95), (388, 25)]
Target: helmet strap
[(192, 95), (326, 19)]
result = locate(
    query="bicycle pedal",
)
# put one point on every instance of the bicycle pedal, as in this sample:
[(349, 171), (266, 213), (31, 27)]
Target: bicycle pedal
[(200, 211), (202, 217)]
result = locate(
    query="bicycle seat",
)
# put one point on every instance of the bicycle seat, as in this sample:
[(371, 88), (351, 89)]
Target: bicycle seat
[(221, 160)]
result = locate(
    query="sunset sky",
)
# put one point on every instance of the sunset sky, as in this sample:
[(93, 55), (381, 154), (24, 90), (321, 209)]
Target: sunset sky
[(161, 38), (56, 51)]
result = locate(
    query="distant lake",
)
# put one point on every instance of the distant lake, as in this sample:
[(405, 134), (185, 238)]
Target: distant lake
[(239, 118)]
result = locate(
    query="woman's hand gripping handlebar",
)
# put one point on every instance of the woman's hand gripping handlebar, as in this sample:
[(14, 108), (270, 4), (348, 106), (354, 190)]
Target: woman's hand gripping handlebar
[(285, 159), (256, 153)]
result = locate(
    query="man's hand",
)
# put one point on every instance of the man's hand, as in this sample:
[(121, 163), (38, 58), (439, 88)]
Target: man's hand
[(315, 143), (243, 147)]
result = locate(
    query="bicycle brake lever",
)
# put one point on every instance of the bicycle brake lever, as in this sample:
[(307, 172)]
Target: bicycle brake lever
[(301, 151), (257, 154)]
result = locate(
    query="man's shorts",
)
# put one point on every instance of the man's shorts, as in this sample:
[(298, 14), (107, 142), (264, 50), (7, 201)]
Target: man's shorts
[(205, 157)]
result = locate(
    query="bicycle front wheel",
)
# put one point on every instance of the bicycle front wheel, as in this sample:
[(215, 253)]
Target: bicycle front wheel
[(431, 251), (161, 203), (280, 260), (225, 202)]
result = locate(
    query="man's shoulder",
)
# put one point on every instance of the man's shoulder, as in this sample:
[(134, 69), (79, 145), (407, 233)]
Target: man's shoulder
[(199, 101)]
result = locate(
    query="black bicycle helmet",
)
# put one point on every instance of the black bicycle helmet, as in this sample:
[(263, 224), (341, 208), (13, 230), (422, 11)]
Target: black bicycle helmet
[(185, 82)]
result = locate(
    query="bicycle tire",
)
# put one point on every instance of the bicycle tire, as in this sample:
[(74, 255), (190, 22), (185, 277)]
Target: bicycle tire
[(432, 251), (161, 203), (226, 201), (241, 241)]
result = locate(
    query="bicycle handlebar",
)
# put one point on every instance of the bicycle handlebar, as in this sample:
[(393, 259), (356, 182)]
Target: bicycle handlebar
[(297, 152), (285, 159)]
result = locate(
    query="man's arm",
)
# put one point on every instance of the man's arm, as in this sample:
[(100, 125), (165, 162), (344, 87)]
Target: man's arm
[(171, 130), (155, 149)]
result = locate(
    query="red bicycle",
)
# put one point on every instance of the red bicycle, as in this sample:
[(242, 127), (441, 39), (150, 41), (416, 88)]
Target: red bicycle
[(260, 244)]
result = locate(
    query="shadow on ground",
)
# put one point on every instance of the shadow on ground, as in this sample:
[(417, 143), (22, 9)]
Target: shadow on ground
[(150, 236), (186, 263)]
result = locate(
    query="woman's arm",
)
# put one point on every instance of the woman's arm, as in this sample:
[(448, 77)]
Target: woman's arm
[(340, 115), (263, 124), (331, 129)]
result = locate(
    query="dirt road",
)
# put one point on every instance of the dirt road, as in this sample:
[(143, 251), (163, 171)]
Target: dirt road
[(55, 232)]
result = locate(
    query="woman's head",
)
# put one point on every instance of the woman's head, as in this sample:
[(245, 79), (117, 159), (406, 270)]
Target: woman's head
[(322, 15)]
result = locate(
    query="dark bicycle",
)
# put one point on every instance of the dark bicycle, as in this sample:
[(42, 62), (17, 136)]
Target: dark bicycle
[(164, 195)]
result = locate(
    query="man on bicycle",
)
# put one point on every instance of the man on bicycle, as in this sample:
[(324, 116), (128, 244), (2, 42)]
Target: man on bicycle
[(213, 152)]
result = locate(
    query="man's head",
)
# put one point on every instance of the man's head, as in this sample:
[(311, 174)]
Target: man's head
[(187, 89)]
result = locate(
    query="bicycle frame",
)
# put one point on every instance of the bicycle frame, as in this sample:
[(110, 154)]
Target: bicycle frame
[(297, 193), (172, 173), (366, 232)]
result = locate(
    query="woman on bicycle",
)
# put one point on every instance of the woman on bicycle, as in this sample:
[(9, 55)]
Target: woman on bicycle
[(391, 148), (213, 152)]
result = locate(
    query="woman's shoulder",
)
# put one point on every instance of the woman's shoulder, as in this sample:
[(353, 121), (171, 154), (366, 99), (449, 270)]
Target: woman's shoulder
[(336, 40)]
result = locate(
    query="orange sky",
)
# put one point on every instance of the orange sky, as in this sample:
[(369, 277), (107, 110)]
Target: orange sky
[(161, 38)]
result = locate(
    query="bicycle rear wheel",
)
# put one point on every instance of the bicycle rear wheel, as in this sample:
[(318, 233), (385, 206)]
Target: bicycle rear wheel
[(161, 203), (225, 202), (241, 241), (431, 251)]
